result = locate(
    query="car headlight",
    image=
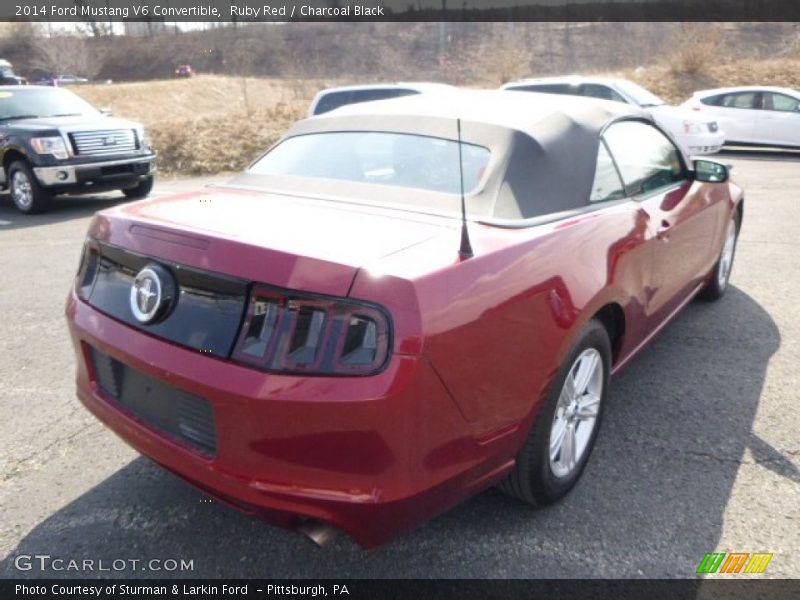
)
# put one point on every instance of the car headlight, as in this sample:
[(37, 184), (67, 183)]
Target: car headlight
[(692, 127), (50, 145), (144, 140)]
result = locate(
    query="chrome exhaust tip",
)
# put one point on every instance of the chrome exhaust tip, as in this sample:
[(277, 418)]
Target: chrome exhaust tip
[(318, 532)]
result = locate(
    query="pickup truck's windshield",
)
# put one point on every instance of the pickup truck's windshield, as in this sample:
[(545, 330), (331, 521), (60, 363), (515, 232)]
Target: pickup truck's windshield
[(396, 159), (42, 102)]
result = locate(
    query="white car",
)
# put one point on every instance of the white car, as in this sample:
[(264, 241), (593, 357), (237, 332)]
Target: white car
[(762, 116), (694, 133), (331, 98)]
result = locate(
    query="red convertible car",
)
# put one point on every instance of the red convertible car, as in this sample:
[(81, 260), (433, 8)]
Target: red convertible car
[(328, 341)]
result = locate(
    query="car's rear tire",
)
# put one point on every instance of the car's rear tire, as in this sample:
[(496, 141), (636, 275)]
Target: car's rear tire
[(721, 273), (27, 195), (547, 469), (142, 190)]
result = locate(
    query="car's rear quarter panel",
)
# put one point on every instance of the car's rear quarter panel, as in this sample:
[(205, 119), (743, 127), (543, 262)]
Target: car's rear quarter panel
[(497, 326)]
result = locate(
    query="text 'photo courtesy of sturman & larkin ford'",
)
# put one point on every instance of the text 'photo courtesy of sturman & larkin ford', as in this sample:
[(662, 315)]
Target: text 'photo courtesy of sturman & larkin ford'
[(194, 591)]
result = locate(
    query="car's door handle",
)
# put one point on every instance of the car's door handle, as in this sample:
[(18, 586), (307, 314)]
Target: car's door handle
[(662, 232)]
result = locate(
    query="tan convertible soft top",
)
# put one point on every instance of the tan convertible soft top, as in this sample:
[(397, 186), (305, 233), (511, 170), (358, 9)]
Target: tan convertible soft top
[(543, 149)]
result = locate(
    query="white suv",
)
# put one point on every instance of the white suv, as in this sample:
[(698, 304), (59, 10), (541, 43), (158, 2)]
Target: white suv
[(690, 131)]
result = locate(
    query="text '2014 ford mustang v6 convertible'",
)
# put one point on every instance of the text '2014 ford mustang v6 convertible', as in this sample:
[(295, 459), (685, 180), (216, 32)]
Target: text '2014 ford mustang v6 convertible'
[(328, 339)]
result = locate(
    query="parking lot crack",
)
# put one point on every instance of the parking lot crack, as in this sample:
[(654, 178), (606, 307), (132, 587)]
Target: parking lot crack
[(755, 445), (44, 454)]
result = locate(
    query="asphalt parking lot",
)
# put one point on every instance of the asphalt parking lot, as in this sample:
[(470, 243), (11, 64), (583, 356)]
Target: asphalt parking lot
[(699, 450)]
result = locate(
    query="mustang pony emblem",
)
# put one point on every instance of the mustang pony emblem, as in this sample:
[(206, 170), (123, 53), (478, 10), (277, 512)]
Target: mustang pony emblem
[(152, 293)]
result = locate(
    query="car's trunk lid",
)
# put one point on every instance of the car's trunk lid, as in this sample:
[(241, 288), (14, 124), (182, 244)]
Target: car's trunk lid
[(292, 242)]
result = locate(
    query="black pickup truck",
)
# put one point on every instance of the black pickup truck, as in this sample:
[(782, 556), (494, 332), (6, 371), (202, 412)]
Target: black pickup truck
[(54, 142)]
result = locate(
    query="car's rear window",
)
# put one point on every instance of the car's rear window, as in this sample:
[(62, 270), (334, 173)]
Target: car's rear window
[(384, 158), (334, 100), (641, 96)]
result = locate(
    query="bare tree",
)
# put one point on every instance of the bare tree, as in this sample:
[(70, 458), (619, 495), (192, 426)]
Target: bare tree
[(17, 43), (94, 28), (500, 57), (62, 54)]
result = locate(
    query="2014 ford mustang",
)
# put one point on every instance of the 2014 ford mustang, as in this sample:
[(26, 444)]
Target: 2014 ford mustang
[(400, 304)]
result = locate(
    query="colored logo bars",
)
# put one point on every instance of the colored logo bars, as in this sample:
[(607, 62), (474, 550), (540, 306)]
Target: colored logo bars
[(734, 562)]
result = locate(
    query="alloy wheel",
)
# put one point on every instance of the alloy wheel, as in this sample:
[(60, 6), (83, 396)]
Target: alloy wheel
[(726, 258), (21, 190), (576, 413)]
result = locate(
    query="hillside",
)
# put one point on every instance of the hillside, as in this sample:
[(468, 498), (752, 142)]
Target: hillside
[(211, 123)]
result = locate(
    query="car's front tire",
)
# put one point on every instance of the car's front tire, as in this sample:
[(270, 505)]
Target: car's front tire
[(561, 441), (718, 282), (142, 190), (26, 193)]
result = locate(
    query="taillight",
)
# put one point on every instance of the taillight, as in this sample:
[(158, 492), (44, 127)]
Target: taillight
[(312, 334), (87, 270)]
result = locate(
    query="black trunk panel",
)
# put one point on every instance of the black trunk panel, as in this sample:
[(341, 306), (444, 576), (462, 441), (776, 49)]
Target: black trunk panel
[(187, 419), (206, 316)]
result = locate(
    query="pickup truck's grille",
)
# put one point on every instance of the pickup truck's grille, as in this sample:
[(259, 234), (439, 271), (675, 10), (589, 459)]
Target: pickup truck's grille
[(104, 142)]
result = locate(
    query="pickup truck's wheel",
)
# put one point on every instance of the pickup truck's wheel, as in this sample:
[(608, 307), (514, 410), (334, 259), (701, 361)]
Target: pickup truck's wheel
[(558, 447), (26, 193), (721, 273), (140, 191)]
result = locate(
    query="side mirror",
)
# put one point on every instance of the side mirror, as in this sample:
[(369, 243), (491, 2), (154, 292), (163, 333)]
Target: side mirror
[(710, 171), (106, 112)]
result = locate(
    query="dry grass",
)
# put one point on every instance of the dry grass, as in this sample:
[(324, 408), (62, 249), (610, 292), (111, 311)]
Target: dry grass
[(698, 47), (675, 86), (227, 142), (204, 96), (210, 124)]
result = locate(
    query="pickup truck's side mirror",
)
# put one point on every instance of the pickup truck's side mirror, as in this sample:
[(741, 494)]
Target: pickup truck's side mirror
[(106, 112), (710, 171)]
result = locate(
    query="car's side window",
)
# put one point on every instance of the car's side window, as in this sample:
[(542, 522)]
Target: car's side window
[(713, 100), (603, 92), (739, 100), (548, 88), (780, 102), (646, 158), (606, 185)]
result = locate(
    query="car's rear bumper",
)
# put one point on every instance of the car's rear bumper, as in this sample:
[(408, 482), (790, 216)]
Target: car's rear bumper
[(701, 143), (372, 455), (89, 177)]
